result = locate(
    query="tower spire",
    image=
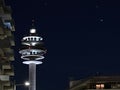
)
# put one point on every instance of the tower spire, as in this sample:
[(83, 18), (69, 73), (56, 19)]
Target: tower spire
[(33, 30), (33, 23)]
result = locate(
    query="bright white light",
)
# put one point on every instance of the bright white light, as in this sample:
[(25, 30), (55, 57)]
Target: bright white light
[(33, 43), (32, 30), (27, 83), (34, 62)]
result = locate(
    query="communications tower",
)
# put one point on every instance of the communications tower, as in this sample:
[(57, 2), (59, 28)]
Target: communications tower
[(32, 52)]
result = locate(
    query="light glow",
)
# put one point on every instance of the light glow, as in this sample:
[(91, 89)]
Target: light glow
[(99, 86), (34, 62), (32, 30), (27, 83), (33, 43)]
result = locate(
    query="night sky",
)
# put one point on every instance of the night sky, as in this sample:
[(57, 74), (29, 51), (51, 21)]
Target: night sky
[(82, 38)]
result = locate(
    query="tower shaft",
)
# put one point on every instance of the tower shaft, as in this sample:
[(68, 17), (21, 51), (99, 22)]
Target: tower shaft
[(32, 76)]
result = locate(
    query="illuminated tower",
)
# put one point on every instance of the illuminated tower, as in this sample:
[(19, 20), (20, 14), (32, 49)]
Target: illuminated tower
[(32, 52)]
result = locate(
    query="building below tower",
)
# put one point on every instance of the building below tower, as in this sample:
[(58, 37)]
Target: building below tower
[(6, 51), (96, 83)]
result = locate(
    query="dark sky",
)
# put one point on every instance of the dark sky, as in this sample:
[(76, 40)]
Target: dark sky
[(82, 38)]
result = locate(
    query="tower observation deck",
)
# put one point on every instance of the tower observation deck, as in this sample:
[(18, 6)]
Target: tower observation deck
[(32, 52)]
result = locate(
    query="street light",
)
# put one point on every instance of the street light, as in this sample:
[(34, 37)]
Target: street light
[(26, 83)]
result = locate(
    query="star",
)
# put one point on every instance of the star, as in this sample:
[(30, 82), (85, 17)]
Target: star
[(45, 3), (97, 6), (101, 20)]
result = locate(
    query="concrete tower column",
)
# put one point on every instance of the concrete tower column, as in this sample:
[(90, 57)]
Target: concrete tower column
[(32, 76)]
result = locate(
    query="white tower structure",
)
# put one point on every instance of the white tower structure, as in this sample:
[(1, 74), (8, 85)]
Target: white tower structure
[(32, 52)]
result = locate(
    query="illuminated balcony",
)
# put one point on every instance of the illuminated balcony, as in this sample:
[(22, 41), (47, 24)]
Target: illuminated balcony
[(1, 53), (8, 52), (8, 88), (6, 83), (5, 9), (8, 33), (4, 78), (5, 43), (1, 10), (3, 59), (8, 55), (6, 66), (2, 34), (1, 31), (12, 42), (11, 58), (5, 17), (6, 59), (9, 72)]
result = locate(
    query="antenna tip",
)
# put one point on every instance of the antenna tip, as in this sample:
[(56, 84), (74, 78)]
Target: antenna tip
[(33, 23), (33, 20)]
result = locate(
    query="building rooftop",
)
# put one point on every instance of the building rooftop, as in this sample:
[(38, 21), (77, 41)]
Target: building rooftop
[(96, 82)]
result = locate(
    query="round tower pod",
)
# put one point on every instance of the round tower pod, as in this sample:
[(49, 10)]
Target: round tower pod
[(32, 47)]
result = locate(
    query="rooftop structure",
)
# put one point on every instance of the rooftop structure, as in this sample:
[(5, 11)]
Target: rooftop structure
[(96, 83)]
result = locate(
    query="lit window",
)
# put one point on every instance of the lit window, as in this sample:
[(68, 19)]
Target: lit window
[(97, 86), (8, 25), (100, 86)]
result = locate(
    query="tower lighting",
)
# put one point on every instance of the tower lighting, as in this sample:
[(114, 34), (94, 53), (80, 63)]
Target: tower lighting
[(32, 52)]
